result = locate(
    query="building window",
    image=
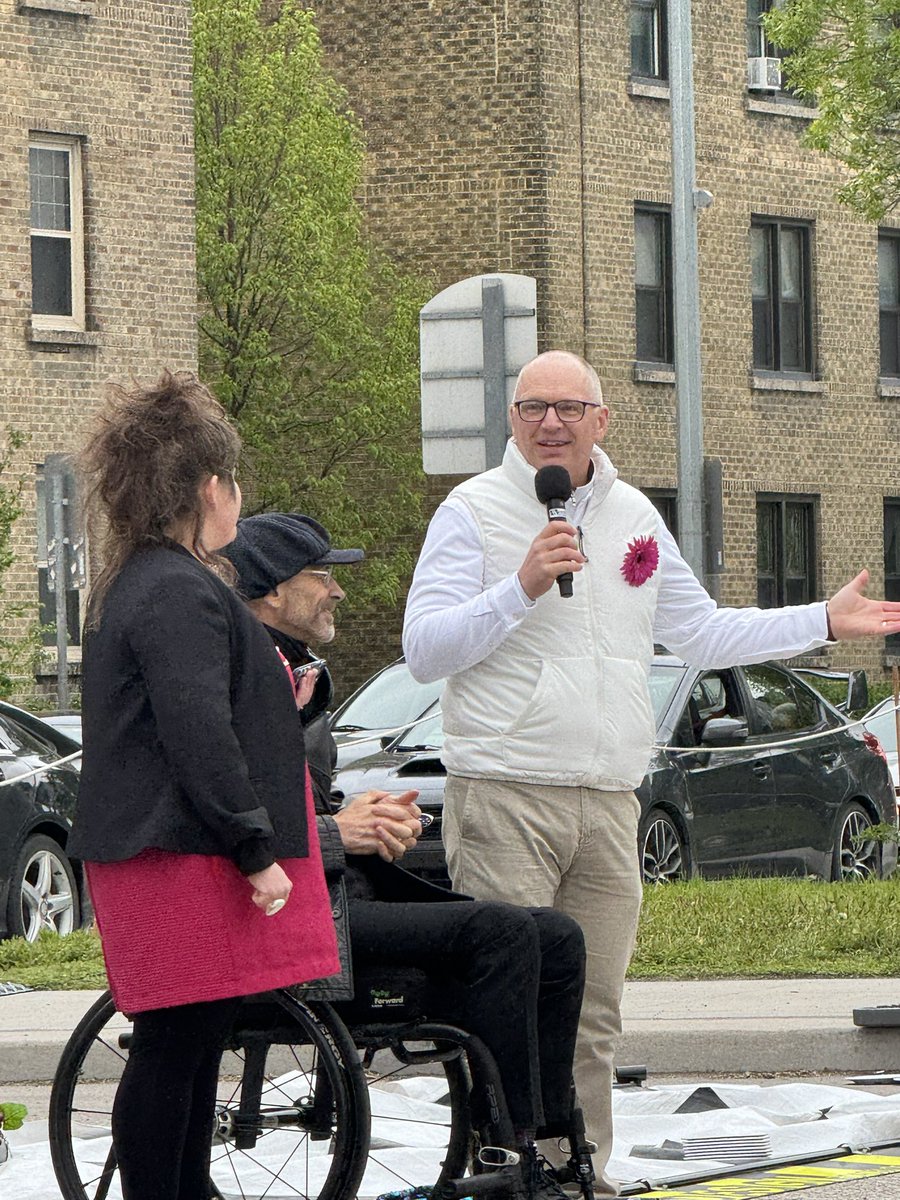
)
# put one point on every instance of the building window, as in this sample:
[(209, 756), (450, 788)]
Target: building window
[(653, 285), (889, 303), (57, 238), (665, 501), (648, 39), (892, 564), (782, 306), (758, 45), (60, 547), (785, 551)]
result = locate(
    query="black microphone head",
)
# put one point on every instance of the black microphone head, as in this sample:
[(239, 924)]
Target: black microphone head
[(552, 483)]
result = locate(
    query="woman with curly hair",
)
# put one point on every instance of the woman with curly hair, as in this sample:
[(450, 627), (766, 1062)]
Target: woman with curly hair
[(200, 853)]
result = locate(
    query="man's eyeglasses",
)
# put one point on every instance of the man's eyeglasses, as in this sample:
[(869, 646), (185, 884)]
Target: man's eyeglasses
[(324, 573), (569, 411)]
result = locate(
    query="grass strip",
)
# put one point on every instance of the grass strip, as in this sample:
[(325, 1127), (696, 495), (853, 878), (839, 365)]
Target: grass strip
[(728, 929), (759, 928), (59, 963)]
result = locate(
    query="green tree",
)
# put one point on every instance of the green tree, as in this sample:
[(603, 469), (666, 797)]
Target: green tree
[(846, 53), (307, 333), (20, 634)]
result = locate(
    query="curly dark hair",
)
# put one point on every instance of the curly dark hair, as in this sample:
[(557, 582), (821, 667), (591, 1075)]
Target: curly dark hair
[(147, 455)]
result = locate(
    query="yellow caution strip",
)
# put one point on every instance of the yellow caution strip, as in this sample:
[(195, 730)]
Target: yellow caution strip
[(777, 1181)]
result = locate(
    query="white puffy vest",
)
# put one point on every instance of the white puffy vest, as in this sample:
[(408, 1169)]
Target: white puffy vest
[(564, 699)]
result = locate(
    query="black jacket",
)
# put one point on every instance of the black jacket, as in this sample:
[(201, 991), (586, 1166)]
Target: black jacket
[(366, 876), (191, 738)]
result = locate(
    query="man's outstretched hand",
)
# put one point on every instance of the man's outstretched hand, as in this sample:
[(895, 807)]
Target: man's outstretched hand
[(853, 615)]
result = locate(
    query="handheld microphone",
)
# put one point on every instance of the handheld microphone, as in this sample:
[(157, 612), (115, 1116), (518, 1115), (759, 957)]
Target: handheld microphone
[(553, 487)]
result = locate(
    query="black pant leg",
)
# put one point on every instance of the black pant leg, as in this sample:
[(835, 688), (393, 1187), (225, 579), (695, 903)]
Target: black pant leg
[(559, 1007), (493, 951), (162, 1114)]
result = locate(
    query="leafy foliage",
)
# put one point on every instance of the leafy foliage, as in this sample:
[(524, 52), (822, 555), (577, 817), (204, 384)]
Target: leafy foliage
[(846, 53), (19, 654), (12, 1116), (309, 336)]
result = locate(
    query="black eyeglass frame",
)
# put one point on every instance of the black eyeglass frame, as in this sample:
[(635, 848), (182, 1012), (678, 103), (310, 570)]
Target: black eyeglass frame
[(554, 404)]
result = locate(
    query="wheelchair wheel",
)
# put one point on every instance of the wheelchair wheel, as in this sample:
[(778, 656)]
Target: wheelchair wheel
[(291, 1120), (417, 1142)]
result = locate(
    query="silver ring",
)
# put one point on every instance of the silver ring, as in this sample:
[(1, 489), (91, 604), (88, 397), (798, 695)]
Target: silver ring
[(275, 907)]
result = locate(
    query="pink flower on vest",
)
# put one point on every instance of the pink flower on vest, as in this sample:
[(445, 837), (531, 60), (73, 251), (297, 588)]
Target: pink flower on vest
[(641, 560)]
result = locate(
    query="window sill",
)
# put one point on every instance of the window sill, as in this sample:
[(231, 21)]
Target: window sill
[(889, 388), (787, 383), (655, 89), (653, 373), (48, 668), (781, 108), (74, 8), (61, 339)]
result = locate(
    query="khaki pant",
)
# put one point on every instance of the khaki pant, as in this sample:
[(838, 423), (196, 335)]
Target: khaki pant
[(574, 849)]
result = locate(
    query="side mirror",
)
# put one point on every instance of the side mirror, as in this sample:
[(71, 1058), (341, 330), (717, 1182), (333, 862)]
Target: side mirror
[(857, 691), (724, 731)]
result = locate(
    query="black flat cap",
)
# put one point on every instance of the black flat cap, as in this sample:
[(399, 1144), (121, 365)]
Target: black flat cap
[(272, 547)]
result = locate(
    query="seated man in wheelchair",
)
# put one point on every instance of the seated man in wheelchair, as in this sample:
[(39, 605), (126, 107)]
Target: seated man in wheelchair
[(509, 975)]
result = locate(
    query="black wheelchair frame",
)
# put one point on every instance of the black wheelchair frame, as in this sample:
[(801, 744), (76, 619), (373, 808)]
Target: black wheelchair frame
[(293, 1116)]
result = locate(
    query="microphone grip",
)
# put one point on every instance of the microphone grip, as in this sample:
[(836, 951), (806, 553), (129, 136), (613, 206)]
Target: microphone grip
[(556, 511)]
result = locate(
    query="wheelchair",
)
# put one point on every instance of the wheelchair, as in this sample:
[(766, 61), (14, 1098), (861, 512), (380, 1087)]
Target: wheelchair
[(308, 1105)]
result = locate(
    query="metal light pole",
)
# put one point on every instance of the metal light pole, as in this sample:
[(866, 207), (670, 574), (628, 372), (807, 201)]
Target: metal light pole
[(686, 199)]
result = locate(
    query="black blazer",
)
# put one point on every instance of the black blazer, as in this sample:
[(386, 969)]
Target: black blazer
[(191, 737)]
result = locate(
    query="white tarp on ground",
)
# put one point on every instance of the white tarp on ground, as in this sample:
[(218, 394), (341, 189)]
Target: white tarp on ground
[(654, 1141)]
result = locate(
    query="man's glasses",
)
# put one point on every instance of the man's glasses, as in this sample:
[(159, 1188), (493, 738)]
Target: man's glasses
[(569, 411), (325, 574)]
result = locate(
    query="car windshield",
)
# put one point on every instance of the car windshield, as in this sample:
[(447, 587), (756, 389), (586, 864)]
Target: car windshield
[(664, 679), (426, 735), (390, 701)]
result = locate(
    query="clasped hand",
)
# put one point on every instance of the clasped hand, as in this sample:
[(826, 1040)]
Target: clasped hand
[(380, 823)]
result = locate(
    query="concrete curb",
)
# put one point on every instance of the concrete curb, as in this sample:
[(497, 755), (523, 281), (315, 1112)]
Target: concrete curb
[(696, 1027)]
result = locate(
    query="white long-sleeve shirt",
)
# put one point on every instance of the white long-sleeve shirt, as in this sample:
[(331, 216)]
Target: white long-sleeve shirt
[(452, 622)]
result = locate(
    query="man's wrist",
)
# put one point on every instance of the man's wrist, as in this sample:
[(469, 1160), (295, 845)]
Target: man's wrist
[(523, 595), (831, 636)]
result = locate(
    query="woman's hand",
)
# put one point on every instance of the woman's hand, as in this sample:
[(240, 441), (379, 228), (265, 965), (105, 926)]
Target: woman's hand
[(269, 885)]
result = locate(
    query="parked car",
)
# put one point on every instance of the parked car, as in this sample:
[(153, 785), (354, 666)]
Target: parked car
[(881, 720), (728, 798), (382, 709), (39, 887), (67, 723)]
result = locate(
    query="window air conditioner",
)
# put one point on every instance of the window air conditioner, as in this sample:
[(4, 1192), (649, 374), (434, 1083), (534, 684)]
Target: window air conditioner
[(764, 74)]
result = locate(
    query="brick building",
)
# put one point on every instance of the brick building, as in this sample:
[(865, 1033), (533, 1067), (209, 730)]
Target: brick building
[(534, 136), (96, 230)]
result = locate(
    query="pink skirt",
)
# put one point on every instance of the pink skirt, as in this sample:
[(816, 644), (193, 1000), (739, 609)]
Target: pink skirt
[(180, 928)]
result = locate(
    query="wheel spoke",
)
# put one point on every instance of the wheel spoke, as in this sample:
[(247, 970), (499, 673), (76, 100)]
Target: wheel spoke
[(44, 881)]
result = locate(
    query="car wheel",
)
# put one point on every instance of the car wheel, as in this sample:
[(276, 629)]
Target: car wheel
[(43, 893), (855, 856), (663, 850)]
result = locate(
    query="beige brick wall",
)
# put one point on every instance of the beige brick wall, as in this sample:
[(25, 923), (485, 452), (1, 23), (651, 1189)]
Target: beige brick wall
[(503, 135), (120, 80)]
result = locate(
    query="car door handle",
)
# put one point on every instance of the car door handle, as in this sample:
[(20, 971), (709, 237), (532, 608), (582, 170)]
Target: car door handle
[(762, 770), (829, 756)]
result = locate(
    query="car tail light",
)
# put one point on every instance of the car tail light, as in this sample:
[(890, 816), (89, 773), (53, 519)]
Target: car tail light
[(874, 745)]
